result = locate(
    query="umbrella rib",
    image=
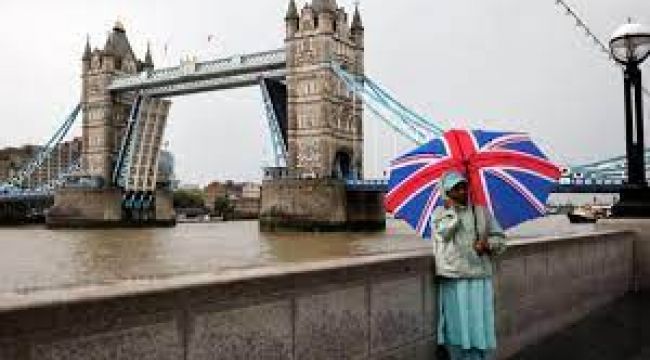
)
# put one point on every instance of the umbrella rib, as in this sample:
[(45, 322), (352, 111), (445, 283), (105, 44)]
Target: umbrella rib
[(413, 160), (517, 159), (413, 195), (506, 140), (428, 209), (433, 171), (520, 188), (523, 170)]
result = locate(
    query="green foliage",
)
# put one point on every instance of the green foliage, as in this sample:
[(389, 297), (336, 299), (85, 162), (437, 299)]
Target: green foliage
[(224, 207), (188, 199)]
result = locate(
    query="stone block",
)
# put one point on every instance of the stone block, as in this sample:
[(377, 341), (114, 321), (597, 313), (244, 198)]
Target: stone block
[(396, 313), (9, 351), (430, 304), (332, 325), (85, 207), (155, 341), (421, 350), (261, 331), (536, 272)]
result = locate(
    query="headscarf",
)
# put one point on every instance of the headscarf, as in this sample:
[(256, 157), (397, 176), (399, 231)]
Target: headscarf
[(451, 179)]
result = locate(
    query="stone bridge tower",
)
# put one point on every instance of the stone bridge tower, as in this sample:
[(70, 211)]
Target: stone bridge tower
[(104, 115), (105, 119), (325, 136)]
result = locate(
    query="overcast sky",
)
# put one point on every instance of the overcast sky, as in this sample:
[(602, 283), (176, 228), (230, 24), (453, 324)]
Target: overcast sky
[(496, 64)]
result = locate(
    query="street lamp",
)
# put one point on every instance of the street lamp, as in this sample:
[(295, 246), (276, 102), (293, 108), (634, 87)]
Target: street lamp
[(630, 46)]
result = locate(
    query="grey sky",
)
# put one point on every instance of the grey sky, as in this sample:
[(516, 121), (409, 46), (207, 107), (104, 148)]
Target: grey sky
[(502, 64)]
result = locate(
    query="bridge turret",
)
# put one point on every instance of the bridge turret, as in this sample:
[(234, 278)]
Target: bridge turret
[(148, 59), (326, 13), (307, 18), (86, 57), (292, 19), (105, 115), (342, 28), (357, 28), (325, 136)]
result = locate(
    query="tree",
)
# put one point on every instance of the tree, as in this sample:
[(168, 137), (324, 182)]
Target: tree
[(188, 199), (224, 207)]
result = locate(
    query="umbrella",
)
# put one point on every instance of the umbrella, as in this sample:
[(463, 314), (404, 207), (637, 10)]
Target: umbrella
[(506, 171)]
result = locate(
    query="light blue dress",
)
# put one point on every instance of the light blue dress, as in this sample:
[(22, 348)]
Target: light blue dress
[(466, 317), (465, 294)]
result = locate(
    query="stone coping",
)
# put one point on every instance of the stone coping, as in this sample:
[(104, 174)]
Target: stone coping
[(147, 286), (557, 238)]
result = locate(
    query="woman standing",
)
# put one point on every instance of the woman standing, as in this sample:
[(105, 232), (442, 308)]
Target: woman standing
[(466, 238)]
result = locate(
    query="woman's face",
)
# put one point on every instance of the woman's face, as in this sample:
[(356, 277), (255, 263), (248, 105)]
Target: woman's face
[(459, 193)]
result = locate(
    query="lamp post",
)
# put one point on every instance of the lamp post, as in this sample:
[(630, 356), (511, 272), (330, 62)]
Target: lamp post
[(630, 46)]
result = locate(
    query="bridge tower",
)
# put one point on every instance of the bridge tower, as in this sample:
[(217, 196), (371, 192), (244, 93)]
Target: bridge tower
[(325, 127), (105, 116), (325, 136), (95, 200)]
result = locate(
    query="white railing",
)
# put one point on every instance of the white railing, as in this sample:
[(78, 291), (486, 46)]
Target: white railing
[(190, 70)]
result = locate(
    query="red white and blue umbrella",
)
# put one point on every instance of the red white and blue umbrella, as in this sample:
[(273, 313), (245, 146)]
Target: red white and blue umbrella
[(506, 171)]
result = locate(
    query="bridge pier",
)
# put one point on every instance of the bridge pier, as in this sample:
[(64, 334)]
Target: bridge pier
[(88, 207), (319, 205)]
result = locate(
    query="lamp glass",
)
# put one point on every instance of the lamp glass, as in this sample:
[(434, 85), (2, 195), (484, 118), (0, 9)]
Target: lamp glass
[(631, 43)]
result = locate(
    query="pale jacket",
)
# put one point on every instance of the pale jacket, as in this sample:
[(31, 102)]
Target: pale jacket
[(453, 237)]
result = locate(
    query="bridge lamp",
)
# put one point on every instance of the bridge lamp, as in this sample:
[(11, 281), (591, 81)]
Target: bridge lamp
[(630, 46)]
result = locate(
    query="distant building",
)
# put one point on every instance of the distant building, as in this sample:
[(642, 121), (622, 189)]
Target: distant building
[(61, 160), (218, 190), (251, 191), (245, 197)]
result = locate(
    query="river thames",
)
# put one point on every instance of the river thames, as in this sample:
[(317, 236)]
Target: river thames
[(34, 258)]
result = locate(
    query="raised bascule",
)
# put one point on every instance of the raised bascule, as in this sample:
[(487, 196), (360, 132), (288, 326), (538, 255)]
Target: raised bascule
[(316, 125)]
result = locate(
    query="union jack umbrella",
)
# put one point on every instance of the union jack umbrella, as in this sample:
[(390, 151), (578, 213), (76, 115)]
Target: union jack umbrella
[(506, 171)]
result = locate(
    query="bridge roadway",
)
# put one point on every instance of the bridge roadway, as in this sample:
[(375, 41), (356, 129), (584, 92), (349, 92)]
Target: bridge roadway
[(193, 77)]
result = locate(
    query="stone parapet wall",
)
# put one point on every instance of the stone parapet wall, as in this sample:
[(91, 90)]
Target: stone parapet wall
[(376, 306), (546, 284), (641, 228)]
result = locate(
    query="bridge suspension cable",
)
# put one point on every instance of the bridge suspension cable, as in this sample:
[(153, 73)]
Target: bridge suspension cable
[(45, 151), (396, 115)]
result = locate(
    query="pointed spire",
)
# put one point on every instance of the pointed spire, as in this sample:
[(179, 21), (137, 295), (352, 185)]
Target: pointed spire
[(356, 19), (148, 60), (108, 47), (292, 11), (87, 50)]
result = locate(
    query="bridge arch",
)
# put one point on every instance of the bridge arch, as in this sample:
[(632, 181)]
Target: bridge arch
[(342, 167)]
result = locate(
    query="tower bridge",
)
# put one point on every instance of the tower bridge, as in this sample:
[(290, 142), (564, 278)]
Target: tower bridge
[(314, 90), (316, 124)]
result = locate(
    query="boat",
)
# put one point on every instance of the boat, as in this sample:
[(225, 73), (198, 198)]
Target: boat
[(584, 215)]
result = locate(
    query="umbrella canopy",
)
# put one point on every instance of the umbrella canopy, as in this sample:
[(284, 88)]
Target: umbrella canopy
[(507, 173)]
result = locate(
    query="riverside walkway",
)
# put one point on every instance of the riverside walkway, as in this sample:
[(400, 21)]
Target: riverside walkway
[(619, 331)]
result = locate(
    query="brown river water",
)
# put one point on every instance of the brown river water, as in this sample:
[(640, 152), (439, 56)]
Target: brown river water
[(34, 258)]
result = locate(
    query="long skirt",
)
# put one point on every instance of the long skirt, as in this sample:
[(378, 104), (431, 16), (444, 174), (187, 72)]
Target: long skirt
[(466, 317)]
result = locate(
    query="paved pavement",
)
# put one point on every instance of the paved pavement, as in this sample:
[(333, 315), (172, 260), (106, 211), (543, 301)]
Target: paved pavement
[(620, 331)]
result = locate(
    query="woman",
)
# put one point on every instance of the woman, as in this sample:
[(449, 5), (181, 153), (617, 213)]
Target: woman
[(466, 239)]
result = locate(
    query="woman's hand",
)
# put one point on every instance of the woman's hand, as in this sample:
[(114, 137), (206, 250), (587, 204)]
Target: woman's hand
[(482, 247), (448, 203)]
